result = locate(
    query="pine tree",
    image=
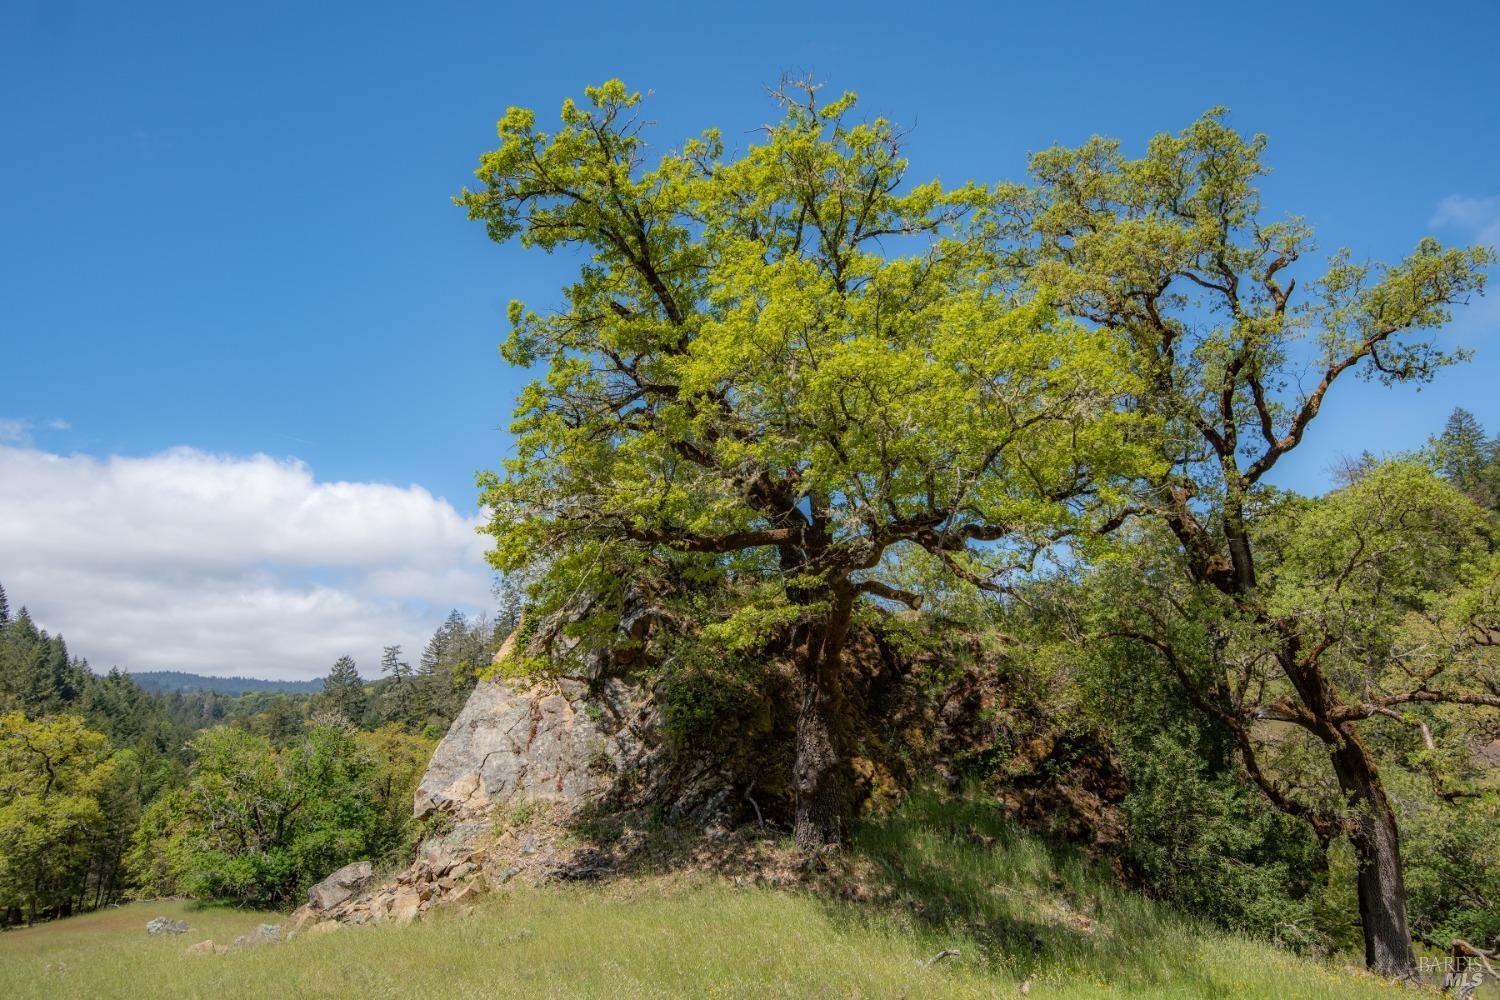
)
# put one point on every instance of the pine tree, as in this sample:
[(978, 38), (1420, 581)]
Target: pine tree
[(1466, 457), (401, 699), (391, 663), (432, 655), (510, 611), (344, 691), (4, 608), (36, 674)]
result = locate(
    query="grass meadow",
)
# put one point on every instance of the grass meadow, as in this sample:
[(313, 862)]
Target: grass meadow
[(1023, 916)]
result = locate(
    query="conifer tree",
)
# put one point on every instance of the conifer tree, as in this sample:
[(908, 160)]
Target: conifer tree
[(1467, 458), (391, 663), (402, 701), (344, 691)]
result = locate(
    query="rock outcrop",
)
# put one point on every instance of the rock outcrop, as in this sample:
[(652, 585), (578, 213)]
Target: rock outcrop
[(441, 875), (514, 742), (512, 788)]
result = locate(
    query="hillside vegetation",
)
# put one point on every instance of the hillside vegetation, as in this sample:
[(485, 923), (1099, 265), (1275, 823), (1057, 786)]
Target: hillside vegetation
[(1017, 911)]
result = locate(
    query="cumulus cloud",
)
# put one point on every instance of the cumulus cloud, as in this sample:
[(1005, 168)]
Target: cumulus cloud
[(229, 565), (1479, 217)]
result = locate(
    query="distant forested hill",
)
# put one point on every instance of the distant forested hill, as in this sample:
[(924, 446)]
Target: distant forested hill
[(175, 680)]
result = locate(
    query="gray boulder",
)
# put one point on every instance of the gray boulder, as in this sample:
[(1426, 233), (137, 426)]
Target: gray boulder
[(264, 934), (166, 925), (515, 743), (339, 886)]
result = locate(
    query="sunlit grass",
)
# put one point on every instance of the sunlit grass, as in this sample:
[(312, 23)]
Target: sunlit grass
[(950, 876)]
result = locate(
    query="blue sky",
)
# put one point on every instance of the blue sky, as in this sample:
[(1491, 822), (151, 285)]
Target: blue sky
[(226, 227)]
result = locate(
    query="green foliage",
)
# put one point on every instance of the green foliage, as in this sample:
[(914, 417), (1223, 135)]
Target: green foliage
[(54, 772), (1468, 459), (703, 692), (456, 656), (37, 675), (259, 825), (1263, 609), (790, 390), (1451, 849), (1210, 845), (775, 367), (1380, 547), (271, 765), (344, 691), (1396, 566), (400, 759)]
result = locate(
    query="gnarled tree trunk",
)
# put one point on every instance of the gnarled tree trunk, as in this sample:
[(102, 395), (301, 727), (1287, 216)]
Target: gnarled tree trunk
[(819, 772), (1377, 842)]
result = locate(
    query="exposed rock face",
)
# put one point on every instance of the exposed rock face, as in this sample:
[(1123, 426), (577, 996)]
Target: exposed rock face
[(339, 886), (515, 743)]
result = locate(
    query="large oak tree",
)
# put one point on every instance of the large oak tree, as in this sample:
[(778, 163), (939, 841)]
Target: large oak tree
[(781, 365)]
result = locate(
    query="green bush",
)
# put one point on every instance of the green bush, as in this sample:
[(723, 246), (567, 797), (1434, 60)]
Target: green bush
[(705, 691), (1214, 847), (260, 825)]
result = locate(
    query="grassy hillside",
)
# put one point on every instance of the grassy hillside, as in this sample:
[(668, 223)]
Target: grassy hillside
[(648, 942), (940, 877)]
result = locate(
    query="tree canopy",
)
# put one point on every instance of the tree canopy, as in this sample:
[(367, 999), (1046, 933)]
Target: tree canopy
[(778, 366)]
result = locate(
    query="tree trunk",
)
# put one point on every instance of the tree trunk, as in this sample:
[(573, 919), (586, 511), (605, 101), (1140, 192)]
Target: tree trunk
[(818, 771), (1377, 842), (818, 774)]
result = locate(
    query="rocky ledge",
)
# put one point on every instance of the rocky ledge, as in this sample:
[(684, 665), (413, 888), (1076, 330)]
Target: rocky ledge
[(554, 748), (548, 742)]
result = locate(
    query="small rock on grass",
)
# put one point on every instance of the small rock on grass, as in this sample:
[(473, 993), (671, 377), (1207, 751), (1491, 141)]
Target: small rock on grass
[(166, 925), (339, 886)]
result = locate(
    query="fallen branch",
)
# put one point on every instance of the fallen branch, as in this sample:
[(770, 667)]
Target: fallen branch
[(935, 959), (1461, 952)]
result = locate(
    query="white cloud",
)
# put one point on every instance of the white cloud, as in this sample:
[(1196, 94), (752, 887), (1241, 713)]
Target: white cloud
[(1478, 216), (59, 424), (227, 565), (15, 432)]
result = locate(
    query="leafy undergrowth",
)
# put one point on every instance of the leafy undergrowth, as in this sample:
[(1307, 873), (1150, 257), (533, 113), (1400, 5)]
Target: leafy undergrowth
[(942, 875)]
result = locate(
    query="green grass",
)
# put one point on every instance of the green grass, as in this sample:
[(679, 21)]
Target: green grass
[(943, 875)]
